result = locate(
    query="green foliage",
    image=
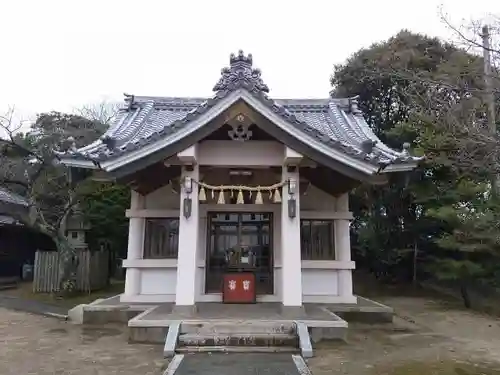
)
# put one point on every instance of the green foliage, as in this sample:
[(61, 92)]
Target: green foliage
[(383, 74), (455, 269), (417, 89), (105, 212), (29, 166)]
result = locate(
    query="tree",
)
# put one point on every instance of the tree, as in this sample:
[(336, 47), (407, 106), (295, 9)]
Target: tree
[(105, 211), (431, 93), (30, 167), (391, 219), (473, 243)]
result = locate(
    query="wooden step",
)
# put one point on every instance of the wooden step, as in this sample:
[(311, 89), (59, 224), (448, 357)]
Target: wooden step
[(239, 339)]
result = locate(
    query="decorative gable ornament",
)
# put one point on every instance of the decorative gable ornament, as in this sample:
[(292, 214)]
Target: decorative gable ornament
[(240, 132), (240, 128), (239, 72)]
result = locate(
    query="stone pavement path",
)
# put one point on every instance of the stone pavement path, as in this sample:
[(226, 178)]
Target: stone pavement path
[(237, 364), (31, 306)]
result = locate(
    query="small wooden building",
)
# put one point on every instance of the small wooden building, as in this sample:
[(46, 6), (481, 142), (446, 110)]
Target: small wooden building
[(18, 243)]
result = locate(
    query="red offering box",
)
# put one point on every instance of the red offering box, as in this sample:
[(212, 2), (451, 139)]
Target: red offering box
[(239, 287)]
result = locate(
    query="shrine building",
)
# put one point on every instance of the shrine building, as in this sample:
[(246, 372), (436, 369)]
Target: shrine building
[(239, 197)]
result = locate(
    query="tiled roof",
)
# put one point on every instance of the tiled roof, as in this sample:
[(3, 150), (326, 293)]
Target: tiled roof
[(337, 123), (7, 220), (12, 198)]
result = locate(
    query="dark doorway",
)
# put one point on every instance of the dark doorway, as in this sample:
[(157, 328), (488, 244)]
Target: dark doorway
[(231, 230), (18, 245)]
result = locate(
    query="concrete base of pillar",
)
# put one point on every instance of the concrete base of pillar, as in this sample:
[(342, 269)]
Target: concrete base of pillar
[(293, 312), (186, 311)]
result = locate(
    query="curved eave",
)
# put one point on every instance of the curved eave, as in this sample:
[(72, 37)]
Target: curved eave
[(365, 167), (77, 163), (392, 168), (403, 167)]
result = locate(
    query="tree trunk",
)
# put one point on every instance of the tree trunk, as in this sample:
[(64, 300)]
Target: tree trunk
[(68, 264), (464, 291), (415, 257)]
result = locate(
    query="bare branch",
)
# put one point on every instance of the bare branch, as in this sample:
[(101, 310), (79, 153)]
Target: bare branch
[(103, 112), (470, 34), (6, 124)]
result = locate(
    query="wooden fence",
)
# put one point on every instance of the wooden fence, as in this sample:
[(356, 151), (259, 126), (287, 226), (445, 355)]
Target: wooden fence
[(92, 272)]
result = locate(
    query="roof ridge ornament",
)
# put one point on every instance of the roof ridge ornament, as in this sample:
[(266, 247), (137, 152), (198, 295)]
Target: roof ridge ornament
[(109, 141), (129, 100), (240, 73), (406, 149), (353, 105), (368, 145)]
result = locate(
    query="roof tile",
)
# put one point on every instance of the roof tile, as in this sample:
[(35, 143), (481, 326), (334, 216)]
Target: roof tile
[(337, 123), (12, 198)]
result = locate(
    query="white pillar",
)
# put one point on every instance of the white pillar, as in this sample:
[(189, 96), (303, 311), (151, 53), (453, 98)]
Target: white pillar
[(188, 245), (290, 246), (343, 250), (135, 245)]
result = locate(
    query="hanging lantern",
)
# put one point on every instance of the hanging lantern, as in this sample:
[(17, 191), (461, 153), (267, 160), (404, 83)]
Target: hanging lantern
[(213, 194), (202, 196), (292, 208), (271, 195), (239, 199), (221, 197), (187, 207), (277, 196), (258, 197)]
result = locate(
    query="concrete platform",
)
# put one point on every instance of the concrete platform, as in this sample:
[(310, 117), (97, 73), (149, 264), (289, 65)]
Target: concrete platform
[(150, 322), (365, 311), (111, 310), (150, 325), (163, 315)]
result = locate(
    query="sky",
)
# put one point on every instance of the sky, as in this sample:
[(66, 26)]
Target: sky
[(61, 55)]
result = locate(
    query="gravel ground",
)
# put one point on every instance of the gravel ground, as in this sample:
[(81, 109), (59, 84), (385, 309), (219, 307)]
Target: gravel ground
[(31, 344), (427, 332)]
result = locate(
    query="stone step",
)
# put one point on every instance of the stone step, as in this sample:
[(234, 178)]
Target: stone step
[(236, 349), (239, 339), (8, 286), (9, 283), (237, 327)]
